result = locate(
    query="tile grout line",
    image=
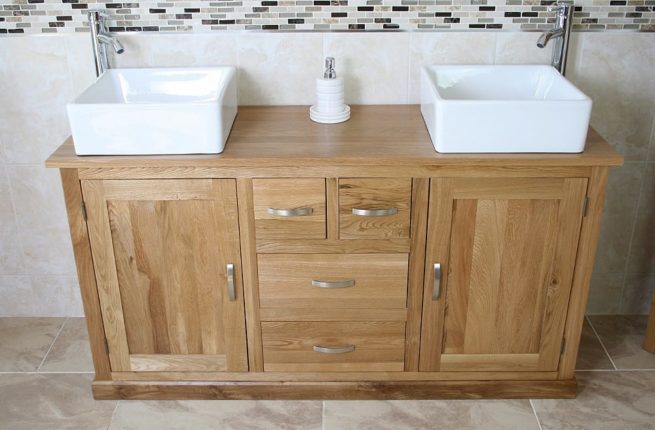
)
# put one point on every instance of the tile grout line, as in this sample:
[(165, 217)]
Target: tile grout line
[(59, 372), (51, 345), (534, 411), (601, 342), (323, 415), (113, 413)]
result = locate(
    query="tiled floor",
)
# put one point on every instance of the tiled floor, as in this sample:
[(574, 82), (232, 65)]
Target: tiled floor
[(46, 370)]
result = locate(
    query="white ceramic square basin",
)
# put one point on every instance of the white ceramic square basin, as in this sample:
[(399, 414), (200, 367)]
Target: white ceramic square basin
[(155, 111), (503, 109)]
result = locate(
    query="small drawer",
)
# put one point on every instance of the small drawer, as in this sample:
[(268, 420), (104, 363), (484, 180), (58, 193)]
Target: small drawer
[(333, 280), (374, 208), (289, 208), (333, 346)]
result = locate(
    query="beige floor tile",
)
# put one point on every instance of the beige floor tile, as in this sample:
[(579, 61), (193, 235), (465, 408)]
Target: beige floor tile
[(428, 414), (623, 336), (606, 400), (71, 351), (591, 356), (212, 414), (25, 341), (34, 402)]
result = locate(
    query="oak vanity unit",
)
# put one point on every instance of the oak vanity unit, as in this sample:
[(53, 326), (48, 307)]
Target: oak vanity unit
[(335, 261)]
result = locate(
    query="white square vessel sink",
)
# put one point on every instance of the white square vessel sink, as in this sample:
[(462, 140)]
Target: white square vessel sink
[(155, 111), (503, 109)]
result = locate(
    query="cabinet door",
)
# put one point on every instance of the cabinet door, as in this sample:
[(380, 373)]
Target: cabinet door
[(167, 262), (505, 250)]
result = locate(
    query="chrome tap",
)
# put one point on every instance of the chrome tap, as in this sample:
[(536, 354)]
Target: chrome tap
[(101, 38), (561, 34)]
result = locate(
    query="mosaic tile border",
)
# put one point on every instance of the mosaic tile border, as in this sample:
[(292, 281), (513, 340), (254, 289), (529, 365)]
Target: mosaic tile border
[(69, 16)]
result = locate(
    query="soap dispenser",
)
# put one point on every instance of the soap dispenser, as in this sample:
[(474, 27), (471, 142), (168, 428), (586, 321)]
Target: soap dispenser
[(329, 107)]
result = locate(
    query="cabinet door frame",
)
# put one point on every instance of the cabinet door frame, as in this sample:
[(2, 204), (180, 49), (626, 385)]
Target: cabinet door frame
[(443, 193), (222, 192)]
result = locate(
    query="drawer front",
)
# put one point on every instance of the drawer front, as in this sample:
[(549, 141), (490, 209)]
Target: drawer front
[(289, 208), (374, 208), (333, 280), (333, 346)]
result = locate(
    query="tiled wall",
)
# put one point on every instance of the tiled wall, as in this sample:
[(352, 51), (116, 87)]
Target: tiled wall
[(39, 74), (65, 16)]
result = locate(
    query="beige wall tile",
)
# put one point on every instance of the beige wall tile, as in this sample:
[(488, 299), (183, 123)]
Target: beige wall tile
[(642, 251), (521, 48), (211, 414), (36, 88), (605, 293), (417, 415), (42, 221), (616, 72), (177, 50), (618, 218), (80, 62), (11, 252), (638, 292), (24, 343), (374, 65), (39, 295), (279, 68), (446, 48), (46, 402)]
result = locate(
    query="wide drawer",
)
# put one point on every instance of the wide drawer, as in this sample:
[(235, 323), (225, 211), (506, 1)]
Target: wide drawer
[(333, 346), (374, 208), (333, 280), (289, 208)]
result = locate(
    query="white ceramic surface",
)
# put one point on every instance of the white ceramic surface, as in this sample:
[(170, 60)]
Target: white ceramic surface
[(503, 109), (155, 111)]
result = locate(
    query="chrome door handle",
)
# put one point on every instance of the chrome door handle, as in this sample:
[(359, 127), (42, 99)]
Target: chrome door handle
[(231, 292), (375, 212), (436, 287), (333, 284), (290, 212), (334, 349)]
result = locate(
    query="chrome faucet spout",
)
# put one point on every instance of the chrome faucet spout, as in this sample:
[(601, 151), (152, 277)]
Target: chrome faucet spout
[(108, 40), (101, 38), (560, 32), (547, 35)]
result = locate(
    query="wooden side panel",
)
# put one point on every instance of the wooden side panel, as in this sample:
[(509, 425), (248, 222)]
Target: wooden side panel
[(355, 193), (289, 194), (380, 280), (169, 268), (420, 195), (378, 346), (85, 273), (105, 272), (250, 282)]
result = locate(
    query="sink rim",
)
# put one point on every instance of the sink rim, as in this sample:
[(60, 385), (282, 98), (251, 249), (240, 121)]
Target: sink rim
[(78, 103), (426, 69)]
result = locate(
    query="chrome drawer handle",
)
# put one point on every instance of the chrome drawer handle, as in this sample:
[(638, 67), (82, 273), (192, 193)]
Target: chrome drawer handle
[(231, 292), (436, 287), (375, 212), (290, 212), (333, 284), (334, 349)]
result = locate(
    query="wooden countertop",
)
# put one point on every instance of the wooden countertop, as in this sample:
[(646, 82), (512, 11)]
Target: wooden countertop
[(374, 135)]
